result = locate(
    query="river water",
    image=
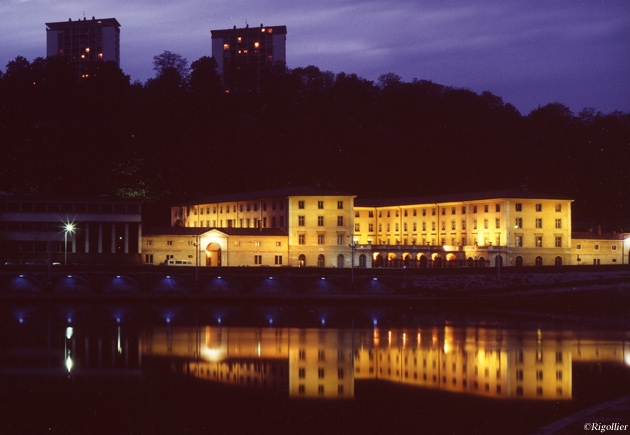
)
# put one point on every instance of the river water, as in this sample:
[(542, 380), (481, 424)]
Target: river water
[(202, 368)]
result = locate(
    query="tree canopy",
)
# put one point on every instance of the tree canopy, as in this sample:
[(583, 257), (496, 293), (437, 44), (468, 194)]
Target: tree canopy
[(179, 135)]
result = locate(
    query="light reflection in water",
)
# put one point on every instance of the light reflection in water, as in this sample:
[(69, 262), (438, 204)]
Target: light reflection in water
[(326, 363)]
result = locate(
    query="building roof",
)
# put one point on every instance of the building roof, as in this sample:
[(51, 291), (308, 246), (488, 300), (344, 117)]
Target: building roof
[(222, 33), (197, 231), (262, 194), (107, 22), (456, 197), (594, 235)]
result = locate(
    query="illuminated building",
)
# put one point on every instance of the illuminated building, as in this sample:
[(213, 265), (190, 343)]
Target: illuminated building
[(595, 247), (104, 230), (83, 42), (299, 227), (510, 227), (245, 55)]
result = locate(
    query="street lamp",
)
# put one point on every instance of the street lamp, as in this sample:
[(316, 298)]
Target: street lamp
[(67, 228), (352, 262)]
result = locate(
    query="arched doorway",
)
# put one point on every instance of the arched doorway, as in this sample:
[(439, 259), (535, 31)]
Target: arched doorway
[(423, 260), (471, 262), (377, 260), (539, 261), (302, 260), (451, 260), (392, 260), (498, 261), (213, 254), (558, 261), (340, 260), (406, 260), (519, 261), (362, 260), (437, 260), (321, 260)]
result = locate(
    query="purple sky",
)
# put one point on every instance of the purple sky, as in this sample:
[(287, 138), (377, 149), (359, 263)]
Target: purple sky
[(530, 53)]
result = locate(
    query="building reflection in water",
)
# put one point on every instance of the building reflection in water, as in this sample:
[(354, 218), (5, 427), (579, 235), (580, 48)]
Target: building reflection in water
[(326, 362)]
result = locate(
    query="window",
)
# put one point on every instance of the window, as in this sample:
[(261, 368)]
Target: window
[(340, 205), (474, 209), (278, 260), (302, 354), (371, 228), (486, 208), (301, 221), (257, 259), (613, 247), (370, 214), (453, 225), (149, 242), (320, 204), (558, 224), (340, 221), (497, 208), (320, 221), (538, 222), (538, 207), (539, 241), (301, 372), (497, 223), (357, 228), (578, 246), (518, 206), (558, 241), (518, 240), (340, 373), (320, 239), (518, 223), (357, 214), (340, 239), (169, 242), (596, 247), (278, 243), (485, 224), (301, 204), (301, 239), (257, 243), (463, 224), (558, 208)]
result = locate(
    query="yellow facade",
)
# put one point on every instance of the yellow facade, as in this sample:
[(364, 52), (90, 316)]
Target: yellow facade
[(304, 227), (597, 248), (317, 227), (522, 230)]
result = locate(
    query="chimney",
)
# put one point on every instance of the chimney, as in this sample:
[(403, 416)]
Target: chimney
[(599, 230)]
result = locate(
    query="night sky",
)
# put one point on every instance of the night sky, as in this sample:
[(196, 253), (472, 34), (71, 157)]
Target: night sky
[(530, 53)]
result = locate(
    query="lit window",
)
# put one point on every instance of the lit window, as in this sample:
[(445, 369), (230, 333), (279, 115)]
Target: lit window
[(256, 44), (226, 46), (239, 39), (538, 207), (301, 204)]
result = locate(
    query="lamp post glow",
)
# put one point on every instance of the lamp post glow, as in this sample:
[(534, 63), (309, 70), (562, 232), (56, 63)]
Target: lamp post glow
[(67, 228)]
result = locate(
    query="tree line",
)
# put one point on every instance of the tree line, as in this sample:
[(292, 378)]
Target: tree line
[(180, 135)]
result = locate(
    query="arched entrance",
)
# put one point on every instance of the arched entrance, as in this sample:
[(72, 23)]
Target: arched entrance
[(422, 259), (437, 260), (340, 260), (377, 260), (302, 260), (213, 254), (539, 261), (498, 261), (558, 261), (321, 260), (406, 260), (362, 260), (451, 260), (392, 260), (519, 261)]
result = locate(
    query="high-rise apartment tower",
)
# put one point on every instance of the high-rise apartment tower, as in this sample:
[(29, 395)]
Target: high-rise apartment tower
[(245, 55), (84, 41)]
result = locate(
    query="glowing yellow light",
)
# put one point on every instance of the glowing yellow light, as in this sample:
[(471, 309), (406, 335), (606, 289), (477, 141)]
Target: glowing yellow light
[(256, 44), (87, 49), (69, 363), (226, 46)]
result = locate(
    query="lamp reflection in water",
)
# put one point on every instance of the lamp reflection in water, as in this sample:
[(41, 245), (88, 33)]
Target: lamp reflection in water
[(68, 351)]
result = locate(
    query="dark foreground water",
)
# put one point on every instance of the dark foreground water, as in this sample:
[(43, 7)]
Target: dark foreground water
[(187, 369)]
